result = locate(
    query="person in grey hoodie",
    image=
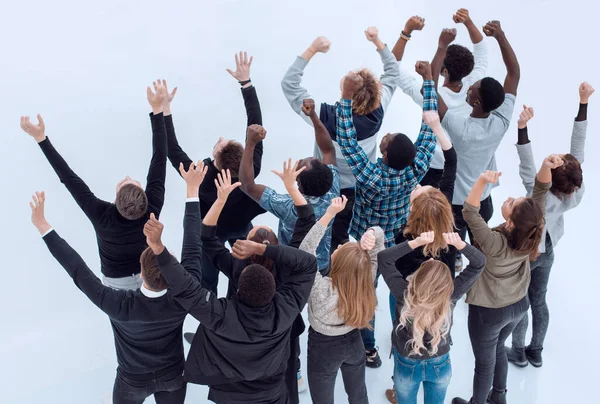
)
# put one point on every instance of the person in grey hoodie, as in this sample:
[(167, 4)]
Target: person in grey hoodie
[(370, 103), (566, 193)]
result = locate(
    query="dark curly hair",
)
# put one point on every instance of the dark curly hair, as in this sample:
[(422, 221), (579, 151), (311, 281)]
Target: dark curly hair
[(401, 152), (256, 286), (317, 180), (491, 93), (131, 202), (459, 62), (567, 178)]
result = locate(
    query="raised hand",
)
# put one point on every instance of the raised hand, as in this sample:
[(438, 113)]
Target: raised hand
[(157, 97), (289, 174), (414, 23), (455, 240), (168, 98), (461, 16), (585, 92), (194, 176), (242, 67), (320, 44), (352, 82), (424, 70), (255, 134), (490, 177), (447, 36), (368, 240), (243, 249), (337, 205), (525, 116), (308, 107), (425, 238), (494, 29), (37, 212), (553, 161), (38, 132), (153, 231), (431, 118), (372, 34), (224, 185)]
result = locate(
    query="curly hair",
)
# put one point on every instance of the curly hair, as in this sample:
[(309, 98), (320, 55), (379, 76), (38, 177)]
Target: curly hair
[(367, 98), (131, 202), (317, 180), (256, 286), (491, 93), (459, 62), (567, 178)]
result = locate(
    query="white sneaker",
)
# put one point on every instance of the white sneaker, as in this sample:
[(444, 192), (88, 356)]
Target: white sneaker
[(458, 266), (301, 384)]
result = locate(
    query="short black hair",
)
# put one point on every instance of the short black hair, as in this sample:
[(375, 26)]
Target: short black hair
[(491, 94), (459, 62), (256, 286), (131, 202), (317, 180), (401, 152)]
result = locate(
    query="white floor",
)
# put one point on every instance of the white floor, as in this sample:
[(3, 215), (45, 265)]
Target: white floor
[(85, 67)]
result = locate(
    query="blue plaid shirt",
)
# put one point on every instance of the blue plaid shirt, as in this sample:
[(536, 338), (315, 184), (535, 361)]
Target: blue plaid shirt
[(383, 193), (282, 206)]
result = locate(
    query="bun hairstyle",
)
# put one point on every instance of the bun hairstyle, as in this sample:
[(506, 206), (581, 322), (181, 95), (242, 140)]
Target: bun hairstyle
[(264, 236)]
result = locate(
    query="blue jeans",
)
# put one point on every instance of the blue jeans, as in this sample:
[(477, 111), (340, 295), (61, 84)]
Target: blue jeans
[(435, 374)]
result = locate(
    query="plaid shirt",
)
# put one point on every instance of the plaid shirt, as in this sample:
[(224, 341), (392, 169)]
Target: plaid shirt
[(383, 193)]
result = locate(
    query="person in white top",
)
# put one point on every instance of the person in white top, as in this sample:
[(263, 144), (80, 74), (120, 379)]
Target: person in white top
[(461, 68)]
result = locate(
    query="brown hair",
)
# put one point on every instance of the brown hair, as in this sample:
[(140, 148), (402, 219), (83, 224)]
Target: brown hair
[(431, 211), (567, 178), (264, 236), (427, 305), (153, 278), (527, 228), (131, 202), (366, 99), (230, 157), (351, 276)]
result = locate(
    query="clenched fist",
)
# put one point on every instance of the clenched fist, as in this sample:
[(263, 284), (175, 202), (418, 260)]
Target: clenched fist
[(255, 134), (320, 44)]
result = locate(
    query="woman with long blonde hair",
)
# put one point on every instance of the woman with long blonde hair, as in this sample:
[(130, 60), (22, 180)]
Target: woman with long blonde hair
[(421, 336), (339, 305)]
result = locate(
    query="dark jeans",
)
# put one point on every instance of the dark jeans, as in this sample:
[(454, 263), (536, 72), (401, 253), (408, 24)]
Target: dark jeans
[(540, 274), (433, 178), (327, 355), (486, 210), (341, 223), (488, 330), (210, 273), (168, 388), (291, 372)]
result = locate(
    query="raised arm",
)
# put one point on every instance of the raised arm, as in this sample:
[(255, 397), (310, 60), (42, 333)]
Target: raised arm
[(155, 181), (527, 169), (92, 206), (513, 71), (316, 233), (391, 72), (480, 51), (387, 264), (106, 299), (254, 135), (292, 89), (580, 124), (414, 23), (446, 38), (322, 137), (462, 17)]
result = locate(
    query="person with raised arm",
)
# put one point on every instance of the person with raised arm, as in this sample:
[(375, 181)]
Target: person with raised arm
[(425, 301), (240, 209), (242, 344), (566, 193), (147, 323), (477, 136), (460, 68), (371, 102), (119, 225), (340, 304), (383, 188), (318, 182), (498, 299)]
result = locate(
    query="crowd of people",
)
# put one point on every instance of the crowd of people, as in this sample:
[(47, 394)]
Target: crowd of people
[(348, 216)]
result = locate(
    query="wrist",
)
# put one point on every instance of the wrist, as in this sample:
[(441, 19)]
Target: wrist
[(192, 191), (166, 111), (157, 248), (157, 110), (460, 246), (247, 83), (40, 139), (522, 125), (43, 228), (414, 244), (347, 96), (584, 101)]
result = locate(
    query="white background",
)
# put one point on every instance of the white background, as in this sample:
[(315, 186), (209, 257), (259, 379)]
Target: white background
[(85, 67)]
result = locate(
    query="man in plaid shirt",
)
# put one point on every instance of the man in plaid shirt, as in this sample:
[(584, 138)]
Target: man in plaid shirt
[(383, 188)]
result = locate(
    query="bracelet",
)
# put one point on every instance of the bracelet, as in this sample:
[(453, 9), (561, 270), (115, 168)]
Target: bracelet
[(243, 83), (406, 38), (402, 33)]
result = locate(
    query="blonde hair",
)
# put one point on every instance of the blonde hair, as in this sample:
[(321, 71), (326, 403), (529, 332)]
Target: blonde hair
[(427, 306), (367, 98), (351, 276), (431, 211)]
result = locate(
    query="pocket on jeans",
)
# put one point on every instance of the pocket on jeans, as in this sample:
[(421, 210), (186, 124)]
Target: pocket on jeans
[(443, 371), (404, 372)]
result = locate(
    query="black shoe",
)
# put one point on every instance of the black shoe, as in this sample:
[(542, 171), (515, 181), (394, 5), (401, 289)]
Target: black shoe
[(189, 336), (534, 356), (458, 400), (517, 356), (497, 397), (373, 359)]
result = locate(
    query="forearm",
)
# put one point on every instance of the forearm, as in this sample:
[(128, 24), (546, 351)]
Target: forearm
[(313, 238), (252, 105), (436, 70), (523, 136), (191, 248), (322, 137), (544, 175), (326, 219), (308, 54), (379, 44), (246, 174), (442, 137), (476, 193), (474, 32), (582, 113), (399, 48), (212, 217), (297, 196), (387, 266), (175, 153), (509, 57)]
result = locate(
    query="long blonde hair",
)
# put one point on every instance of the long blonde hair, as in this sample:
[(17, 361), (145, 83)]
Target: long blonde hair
[(427, 305), (431, 211), (351, 276)]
